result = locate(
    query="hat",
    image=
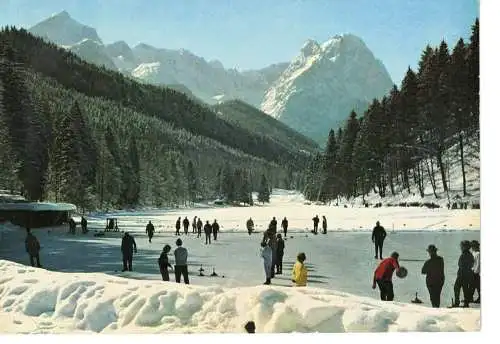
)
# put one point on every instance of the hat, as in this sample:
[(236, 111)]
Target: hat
[(431, 248), (166, 248), (178, 242)]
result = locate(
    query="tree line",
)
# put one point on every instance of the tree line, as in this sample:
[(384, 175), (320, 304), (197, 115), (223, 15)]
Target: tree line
[(400, 140)]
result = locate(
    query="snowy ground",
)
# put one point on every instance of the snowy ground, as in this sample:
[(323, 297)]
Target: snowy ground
[(341, 261)]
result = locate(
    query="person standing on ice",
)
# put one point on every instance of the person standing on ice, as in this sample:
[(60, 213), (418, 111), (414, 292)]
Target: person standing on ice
[(215, 229), (208, 233), (194, 225), (299, 271), (199, 225), (315, 224), (33, 248), (280, 252), (150, 229), (84, 225), (273, 225), (181, 255), (324, 225), (378, 237), (464, 275), (383, 277), (434, 270), (273, 243), (178, 226), (476, 271), (185, 224), (164, 264), (128, 249), (250, 225), (267, 254), (284, 225)]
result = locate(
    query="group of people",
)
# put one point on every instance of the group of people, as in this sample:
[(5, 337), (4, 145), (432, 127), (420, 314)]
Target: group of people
[(197, 225), (72, 225), (316, 224), (467, 280)]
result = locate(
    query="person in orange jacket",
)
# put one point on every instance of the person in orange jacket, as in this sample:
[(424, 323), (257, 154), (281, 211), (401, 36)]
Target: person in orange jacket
[(383, 276), (299, 271)]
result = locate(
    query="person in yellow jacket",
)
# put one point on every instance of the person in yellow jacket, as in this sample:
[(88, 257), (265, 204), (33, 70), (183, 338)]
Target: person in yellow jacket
[(299, 272)]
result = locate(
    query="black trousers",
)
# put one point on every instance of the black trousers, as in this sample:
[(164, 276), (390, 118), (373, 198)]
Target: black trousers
[(379, 244), (164, 273), (279, 263), (186, 230), (150, 236), (32, 260), (386, 290), (435, 294), (199, 233), (476, 285), (181, 270), (285, 229), (208, 238), (315, 230), (215, 236), (463, 283), (127, 262), (177, 231)]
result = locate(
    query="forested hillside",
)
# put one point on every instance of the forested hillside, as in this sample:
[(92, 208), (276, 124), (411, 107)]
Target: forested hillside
[(404, 135), (71, 131)]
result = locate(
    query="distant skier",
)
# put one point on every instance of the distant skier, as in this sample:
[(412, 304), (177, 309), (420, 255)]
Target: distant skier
[(215, 229), (194, 225), (280, 252), (199, 226), (315, 224), (434, 270), (476, 271), (33, 248), (164, 264), (150, 229), (324, 225), (128, 249), (284, 225), (84, 225), (181, 255), (383, 277), (185, 224), (178, 226), (378, 237), (299, 271), (464, 275), (250, 226), (208, 233), (273, 225), (267, 255)]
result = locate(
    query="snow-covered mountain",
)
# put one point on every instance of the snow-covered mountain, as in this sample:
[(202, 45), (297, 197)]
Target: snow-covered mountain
[(94, 52), (324, 83)]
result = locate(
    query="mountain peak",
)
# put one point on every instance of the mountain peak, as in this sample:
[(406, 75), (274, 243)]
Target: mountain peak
[(310, 47), (63, 15)]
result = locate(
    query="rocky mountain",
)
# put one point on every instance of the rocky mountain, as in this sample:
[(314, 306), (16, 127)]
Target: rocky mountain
[(324, 83)]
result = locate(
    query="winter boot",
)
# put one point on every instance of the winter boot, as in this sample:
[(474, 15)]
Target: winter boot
[(268, 281)]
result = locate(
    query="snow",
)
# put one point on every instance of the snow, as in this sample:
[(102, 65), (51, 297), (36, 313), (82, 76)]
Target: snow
[(95, 302), (144, 70), (38, 206)]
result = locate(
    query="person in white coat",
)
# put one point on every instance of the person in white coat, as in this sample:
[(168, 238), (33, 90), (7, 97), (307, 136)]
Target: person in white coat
[(267, 255), (476, 280)]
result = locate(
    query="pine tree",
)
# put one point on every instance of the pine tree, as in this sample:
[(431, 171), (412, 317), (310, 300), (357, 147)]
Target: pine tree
[(264, 194), (192, 182)]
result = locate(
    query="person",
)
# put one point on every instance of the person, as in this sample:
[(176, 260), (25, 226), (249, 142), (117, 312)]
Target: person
[(273, 225), (199, 225), (324, 225), (315, 224), (72, 226), (250, 327), (378, 237), (208, 233), (215, 229), (181, 255), (280, 252), (194, 225), (185, 224), (178, 226), (84, 225), (128, 249), (476, 285), (383, 276), (434, 270), (33, 248), (150, 229), (464, 275), (267, 255), (284, 225), (164, 264), (273, 242), (250, 225), (299, 271)]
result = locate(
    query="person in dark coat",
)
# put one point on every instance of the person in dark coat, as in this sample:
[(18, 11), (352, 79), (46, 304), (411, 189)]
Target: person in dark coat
[(215, 229), (185, 223), (273, 243), (150, 229), (208, 233), (178, 226), (324, 225), (250, 226), (72, 226), (378, 237), (280, 252), (315, 224), (164, 264), (434, 270), (284, 225), (383, 277), (181, 268), (464, 275), (84, 225), (199, 225), (273, 225), (33, 248), (128, 249), (194, 225)]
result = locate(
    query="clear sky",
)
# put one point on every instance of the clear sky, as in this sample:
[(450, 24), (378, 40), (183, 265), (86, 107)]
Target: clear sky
[(250, 34)]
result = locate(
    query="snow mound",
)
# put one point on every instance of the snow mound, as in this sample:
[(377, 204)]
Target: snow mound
[(96, 302)]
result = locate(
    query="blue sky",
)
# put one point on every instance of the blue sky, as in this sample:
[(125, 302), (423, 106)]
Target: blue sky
[(249, 34)]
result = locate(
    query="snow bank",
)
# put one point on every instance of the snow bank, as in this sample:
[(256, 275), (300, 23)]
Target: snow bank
[(39, 301)]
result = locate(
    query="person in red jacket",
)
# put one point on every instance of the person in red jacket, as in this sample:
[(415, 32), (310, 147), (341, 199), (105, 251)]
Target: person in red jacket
[(383, 276)]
